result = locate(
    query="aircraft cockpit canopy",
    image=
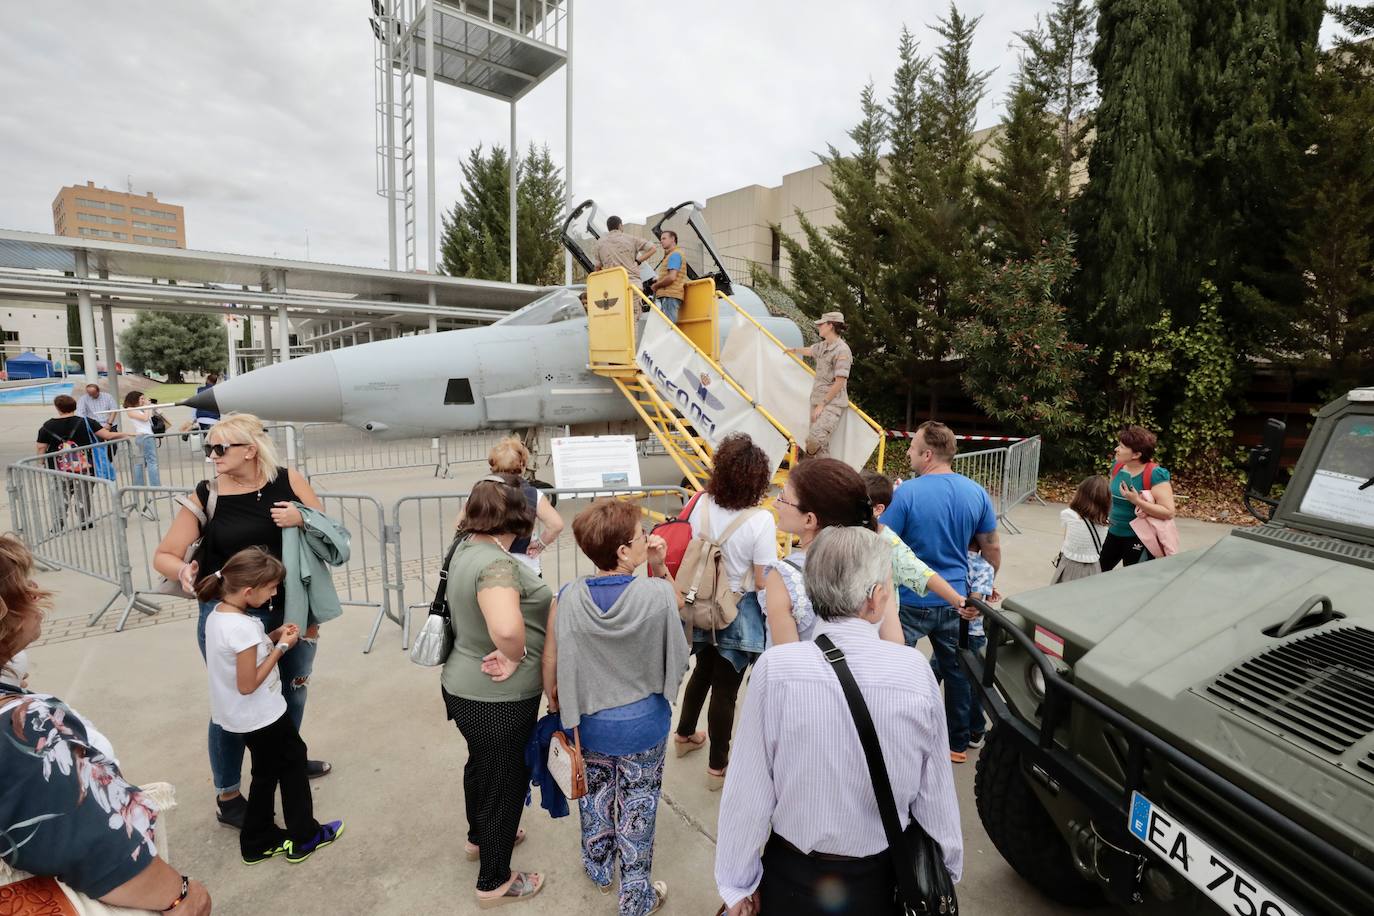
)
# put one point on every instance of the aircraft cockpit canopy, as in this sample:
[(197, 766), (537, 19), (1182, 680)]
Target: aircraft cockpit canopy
[(562, 304), (585, 225)]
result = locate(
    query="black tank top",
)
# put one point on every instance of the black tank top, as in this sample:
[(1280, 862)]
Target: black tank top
[(242, 520)]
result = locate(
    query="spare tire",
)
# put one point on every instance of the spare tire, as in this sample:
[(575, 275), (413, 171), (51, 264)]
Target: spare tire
[(1022, 830)]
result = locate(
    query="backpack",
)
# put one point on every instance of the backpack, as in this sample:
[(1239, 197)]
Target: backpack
[(708, 602), (677, 533), (71, 462)]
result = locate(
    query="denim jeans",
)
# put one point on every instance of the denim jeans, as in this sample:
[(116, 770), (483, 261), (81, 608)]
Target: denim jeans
[(977, 724), (226, 748), (941, 624), (670, 307), (145, 460)]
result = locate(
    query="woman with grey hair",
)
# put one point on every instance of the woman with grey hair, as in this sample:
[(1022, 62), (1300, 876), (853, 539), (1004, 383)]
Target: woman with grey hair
[(792, 789)]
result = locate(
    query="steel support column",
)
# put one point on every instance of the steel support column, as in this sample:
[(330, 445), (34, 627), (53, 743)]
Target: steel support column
[(107, 318), (430, 192), (568, 141), (389, 94), (283, 318), (514, 177), (433, 321), (87, 316)]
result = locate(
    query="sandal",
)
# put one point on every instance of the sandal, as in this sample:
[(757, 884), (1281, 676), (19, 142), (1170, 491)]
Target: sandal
[(523, 885), (714, 781), (660, 889), (685, 745), (473, 853)]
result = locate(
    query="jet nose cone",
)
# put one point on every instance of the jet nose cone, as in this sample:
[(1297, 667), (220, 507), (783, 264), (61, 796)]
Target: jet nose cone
[(201, 400), (305, 389)]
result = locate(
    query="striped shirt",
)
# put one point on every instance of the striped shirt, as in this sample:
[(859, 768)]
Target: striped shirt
[(797, 767)]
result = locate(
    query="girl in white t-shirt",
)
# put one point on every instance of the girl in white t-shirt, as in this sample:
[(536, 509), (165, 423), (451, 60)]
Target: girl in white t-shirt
[(1085, 525), (245, 697), (740, 476)]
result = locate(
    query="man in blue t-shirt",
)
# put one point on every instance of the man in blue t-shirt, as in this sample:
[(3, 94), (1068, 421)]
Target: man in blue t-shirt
[(670, 287), (938, 514)]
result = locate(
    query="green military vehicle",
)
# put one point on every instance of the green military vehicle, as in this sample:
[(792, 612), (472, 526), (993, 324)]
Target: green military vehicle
[(1195, 734)]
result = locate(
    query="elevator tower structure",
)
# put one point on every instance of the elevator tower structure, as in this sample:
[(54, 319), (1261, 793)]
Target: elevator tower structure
[(501, 49)]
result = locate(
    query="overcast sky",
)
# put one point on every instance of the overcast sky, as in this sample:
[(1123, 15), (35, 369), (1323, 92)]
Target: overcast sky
[(257, 115)]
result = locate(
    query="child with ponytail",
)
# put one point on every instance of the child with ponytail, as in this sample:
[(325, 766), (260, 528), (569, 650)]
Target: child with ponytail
[(245, 697)]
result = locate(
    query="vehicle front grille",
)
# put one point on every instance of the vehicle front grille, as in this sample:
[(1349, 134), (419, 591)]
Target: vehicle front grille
[(1362, 554), (1318, 689)]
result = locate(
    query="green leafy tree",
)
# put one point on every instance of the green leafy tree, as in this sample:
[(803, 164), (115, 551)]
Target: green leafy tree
[(904, 245), (1059, 68), (171, 345), (1019, 193), (1201, 431), (1020, 364), (1133, 213), (1333, 241), (476, 231)]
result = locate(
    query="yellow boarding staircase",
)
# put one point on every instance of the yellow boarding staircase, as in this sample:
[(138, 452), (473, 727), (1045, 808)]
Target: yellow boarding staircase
[(614, 305)]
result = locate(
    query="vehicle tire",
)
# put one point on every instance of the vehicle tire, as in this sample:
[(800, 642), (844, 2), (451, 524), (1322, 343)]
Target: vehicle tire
[(1022, 830)]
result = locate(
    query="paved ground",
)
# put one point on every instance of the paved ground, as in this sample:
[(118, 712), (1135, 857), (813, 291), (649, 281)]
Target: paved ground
[(398, 763)]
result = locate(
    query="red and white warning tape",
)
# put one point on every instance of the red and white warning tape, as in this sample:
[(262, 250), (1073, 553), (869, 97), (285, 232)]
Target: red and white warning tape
[(905, 434)]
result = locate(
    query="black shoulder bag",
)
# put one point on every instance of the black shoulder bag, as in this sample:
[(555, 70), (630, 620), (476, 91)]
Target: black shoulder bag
[(924, 886)]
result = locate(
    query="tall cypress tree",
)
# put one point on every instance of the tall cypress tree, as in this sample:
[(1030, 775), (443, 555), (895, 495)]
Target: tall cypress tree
[(1254, 60), (1020, 191), (1132, 217), (1059, 68)]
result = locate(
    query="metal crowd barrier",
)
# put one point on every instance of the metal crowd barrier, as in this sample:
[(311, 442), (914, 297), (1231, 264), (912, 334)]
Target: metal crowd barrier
[(473, 447), (336, 448), (1020, 481), (71, 521), (989, 468), (422, 529)]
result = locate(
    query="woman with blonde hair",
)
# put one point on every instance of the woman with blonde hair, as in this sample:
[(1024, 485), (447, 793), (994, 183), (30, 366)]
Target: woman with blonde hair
[(510, 456), (251, 499)]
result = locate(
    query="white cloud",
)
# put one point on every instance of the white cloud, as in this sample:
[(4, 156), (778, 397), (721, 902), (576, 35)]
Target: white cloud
[(258, 116)]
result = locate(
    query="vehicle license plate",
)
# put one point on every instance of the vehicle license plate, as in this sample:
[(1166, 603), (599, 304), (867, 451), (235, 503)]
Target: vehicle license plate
[(1218, 877)]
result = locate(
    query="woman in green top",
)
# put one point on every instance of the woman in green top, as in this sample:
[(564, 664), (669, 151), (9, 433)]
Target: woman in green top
[(1134, 448), (492, 681)]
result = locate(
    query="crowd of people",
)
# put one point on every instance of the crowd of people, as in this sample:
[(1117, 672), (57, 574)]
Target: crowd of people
[(874, 568)]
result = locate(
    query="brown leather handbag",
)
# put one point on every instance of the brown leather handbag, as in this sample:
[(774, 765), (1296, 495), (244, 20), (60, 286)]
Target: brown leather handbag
[(566, 765)]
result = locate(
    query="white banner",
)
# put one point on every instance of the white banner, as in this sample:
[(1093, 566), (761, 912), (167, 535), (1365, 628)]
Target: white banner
[(777, 382), (706, 401)]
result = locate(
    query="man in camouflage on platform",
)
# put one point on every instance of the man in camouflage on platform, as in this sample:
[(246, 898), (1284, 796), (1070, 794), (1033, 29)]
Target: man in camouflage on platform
[(829, 395)]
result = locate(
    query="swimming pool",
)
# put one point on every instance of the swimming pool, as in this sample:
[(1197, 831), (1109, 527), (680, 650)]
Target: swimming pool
[(34, 394)]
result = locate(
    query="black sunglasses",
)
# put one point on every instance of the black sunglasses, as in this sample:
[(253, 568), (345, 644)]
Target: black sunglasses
[(219, 451)]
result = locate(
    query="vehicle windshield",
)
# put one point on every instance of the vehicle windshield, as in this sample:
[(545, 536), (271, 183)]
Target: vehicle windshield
[(1345, 466), (560, 305)]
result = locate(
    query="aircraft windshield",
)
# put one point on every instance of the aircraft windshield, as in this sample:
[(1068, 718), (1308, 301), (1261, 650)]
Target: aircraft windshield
[(694, 238), (559, 305), (1348, 462)]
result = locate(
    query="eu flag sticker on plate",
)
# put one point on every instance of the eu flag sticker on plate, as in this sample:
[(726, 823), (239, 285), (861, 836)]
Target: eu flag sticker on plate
[(1140, 816)]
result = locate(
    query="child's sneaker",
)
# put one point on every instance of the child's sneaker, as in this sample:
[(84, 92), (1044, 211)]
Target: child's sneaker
[(270, 853), (327, 834)]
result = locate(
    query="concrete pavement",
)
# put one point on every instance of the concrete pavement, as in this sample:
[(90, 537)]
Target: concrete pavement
[(398, 763)]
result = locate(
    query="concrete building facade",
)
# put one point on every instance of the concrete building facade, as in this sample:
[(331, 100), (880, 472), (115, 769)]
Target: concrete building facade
[(118, 216)]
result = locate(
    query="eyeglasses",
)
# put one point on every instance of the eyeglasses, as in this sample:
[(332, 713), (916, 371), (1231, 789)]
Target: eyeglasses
[(788, 502), (642, 536), (219, 450)]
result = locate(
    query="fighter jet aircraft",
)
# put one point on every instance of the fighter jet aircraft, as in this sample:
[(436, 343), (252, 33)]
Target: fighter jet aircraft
[(526, 370)]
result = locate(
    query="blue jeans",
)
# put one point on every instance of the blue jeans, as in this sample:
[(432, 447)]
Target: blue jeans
[(941, 624), (226, 748), (145, 460), (669, 306)]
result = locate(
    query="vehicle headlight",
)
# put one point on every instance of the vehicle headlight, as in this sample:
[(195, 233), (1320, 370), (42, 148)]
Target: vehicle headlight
[(1036, 679)]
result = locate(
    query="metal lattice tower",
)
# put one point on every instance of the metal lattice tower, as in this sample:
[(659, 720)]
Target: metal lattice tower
[(501, 49)]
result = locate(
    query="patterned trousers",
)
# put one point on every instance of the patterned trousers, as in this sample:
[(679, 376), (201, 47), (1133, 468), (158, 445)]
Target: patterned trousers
[(618, 814)]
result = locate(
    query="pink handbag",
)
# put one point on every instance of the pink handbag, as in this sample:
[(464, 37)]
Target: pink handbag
[(1159, 536)]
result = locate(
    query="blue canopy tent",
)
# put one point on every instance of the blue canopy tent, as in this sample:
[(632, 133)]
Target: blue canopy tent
[(29, 365)]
